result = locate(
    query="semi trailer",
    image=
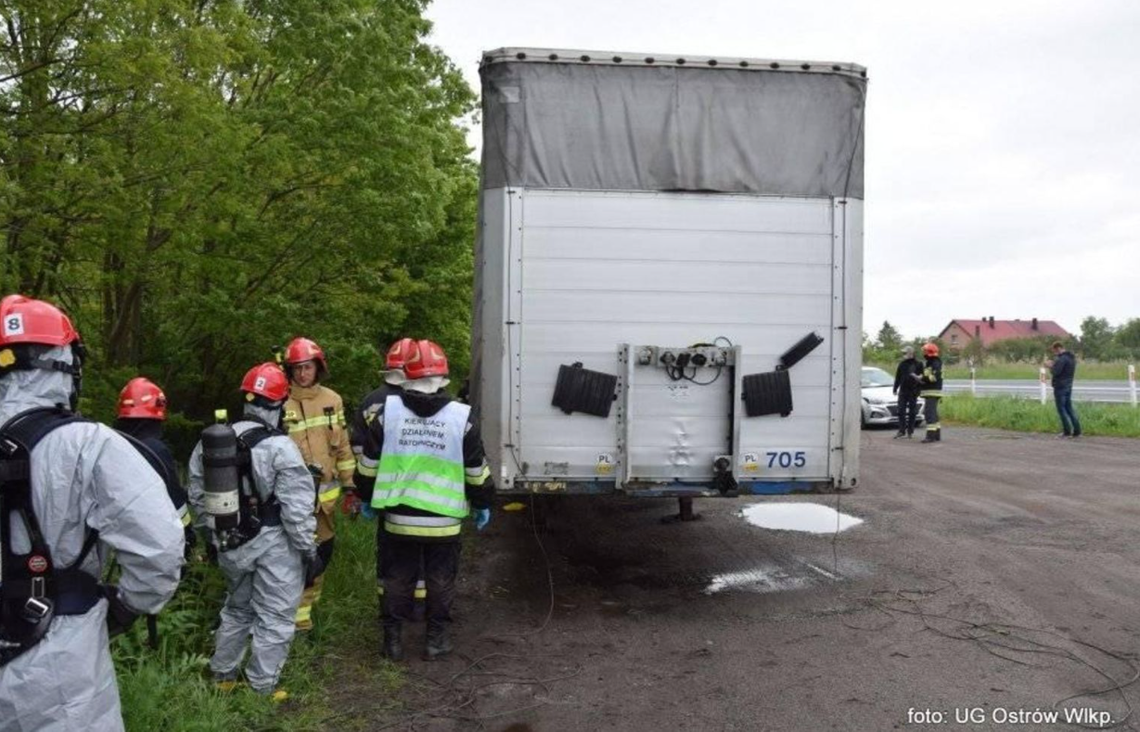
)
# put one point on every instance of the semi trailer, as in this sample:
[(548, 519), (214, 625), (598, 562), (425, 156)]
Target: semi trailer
[(668, 285)]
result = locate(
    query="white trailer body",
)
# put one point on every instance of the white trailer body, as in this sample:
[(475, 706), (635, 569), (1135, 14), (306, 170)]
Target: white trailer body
[(654, 236)]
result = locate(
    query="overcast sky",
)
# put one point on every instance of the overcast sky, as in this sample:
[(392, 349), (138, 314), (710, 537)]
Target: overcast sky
[(1002, 139)]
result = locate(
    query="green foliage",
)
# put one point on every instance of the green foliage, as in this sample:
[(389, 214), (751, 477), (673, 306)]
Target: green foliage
[(199, 180), (170, 689), (887, 346), (1099, 371), (1128, 337), (1024, 350), (889, 338), (1027, 415), (1096, 337)]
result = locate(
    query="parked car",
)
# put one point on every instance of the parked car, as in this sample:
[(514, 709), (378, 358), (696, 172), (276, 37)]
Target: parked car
[(880, 405)]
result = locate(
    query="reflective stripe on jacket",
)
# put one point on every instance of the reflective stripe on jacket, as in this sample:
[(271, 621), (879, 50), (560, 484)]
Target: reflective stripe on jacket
[(314, 419), (421, 526), (931, 378), (421, 462)]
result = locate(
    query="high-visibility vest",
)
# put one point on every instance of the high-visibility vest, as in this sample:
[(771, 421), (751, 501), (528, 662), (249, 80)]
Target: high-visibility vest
[(421, 463)]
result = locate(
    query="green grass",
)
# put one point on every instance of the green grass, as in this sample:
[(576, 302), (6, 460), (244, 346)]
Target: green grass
[(1085, 371), (1028, 415), (170, 689)]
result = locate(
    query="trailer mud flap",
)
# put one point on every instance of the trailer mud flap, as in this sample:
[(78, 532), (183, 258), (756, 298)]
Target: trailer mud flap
[(582, 390), (767, 393)]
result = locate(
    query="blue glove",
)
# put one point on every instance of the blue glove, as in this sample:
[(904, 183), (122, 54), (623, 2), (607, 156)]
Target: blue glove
[(482, 518), (367, 511)]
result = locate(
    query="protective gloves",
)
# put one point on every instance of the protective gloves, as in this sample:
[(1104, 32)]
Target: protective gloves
[(191, 542), (314, 566), (119, 617), (351, 504), (482, 518)]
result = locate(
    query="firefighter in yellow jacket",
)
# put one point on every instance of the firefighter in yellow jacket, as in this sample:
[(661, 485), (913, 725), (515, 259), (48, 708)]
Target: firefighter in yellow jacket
[(314, 419)]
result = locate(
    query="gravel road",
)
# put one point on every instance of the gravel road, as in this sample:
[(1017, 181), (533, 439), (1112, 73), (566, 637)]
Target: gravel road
[(994, 574)]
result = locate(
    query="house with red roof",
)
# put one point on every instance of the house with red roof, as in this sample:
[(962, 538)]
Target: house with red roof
[(960, 333)]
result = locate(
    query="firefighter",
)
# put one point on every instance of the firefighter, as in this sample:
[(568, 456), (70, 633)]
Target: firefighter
[(69, 485), (930, 384), (140, 414), (314, 419), (430, 470), (368, 437), (267, 567)]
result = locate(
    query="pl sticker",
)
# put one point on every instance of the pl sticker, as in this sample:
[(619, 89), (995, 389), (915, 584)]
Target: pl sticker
[(605, 465)]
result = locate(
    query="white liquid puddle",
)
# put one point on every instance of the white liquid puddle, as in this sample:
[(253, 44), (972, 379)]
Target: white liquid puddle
[(755, 580), (810, 517)]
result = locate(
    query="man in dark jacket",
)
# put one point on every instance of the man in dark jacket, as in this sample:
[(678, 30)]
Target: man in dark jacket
[(1064, 368), (430, 471), (930, 386), (906, 387)]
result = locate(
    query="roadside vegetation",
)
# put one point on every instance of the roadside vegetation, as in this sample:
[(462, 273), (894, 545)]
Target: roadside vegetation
[(1029, 415), (197, 182), (170, 688), (1103, 354), (1086, 370)]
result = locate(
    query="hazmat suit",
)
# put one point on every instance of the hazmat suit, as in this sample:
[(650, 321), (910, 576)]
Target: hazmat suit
[(265, 575), (84, 478)]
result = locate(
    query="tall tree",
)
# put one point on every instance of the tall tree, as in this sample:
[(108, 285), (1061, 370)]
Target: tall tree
[(199, 180), (1096, 337), (889, 339), (1128, 336)]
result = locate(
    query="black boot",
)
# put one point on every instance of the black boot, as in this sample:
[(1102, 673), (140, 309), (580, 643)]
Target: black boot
[(393, 644), (900, 433), (930, 436), (438, 643)]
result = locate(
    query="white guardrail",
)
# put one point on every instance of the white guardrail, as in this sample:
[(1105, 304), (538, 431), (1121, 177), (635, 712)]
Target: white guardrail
[(1091, 391)]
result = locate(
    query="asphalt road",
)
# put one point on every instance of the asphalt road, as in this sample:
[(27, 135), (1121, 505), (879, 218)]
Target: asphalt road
[(1083, 391), (994, 574)]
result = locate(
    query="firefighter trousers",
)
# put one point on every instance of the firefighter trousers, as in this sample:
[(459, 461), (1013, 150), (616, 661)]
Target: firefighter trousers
[(930, 410), (402, 562), (325, 542)]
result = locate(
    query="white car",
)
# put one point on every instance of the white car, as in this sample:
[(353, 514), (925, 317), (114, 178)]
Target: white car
[(880, 405)]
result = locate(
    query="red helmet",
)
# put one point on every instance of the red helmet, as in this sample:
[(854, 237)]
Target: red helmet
[(930, 350), (23, 320), (301, 350), (29, 329), (427, 360), (142, 399), (267, 381), (400, 353)]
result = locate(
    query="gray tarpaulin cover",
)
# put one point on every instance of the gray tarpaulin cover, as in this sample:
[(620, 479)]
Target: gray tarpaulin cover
[(663, 127)]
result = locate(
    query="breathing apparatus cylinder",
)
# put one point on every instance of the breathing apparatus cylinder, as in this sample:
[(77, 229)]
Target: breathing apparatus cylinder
[(221, 477)]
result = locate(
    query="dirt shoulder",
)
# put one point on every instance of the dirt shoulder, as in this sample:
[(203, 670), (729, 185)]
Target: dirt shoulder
[(980, 562)]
